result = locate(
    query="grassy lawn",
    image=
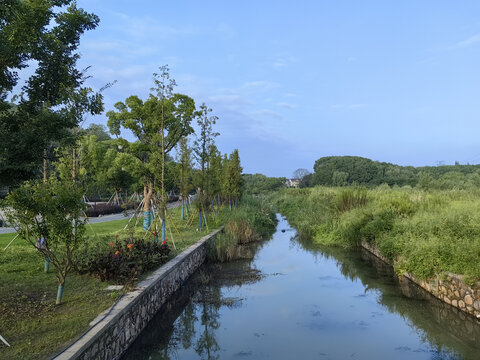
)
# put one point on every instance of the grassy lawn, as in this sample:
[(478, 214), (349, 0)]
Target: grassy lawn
[(30, 321)]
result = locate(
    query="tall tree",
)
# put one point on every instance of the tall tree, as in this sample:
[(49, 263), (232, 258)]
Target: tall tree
[(184, 172), (158, 124), (45, 33), (233, 178), (205, 138)]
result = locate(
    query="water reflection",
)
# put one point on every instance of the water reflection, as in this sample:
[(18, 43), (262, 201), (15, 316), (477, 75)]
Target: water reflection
[(294, 299), (190, 320), (447, 329)]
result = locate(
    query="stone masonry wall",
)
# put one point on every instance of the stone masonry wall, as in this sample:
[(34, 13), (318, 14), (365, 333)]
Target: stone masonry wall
[(451, 289), (125, 321)]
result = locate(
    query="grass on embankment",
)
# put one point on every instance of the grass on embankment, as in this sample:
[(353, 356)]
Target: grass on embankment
[(252, 221), (29, 319), (426, 233)]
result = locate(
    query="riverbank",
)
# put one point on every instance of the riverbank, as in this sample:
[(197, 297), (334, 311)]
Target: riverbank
[(29, 319), (425, 235)]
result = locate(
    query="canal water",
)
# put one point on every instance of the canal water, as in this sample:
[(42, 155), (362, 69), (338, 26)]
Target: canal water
[(295, 300)]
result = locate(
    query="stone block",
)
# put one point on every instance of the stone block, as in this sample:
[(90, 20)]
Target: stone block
[(468, 299)]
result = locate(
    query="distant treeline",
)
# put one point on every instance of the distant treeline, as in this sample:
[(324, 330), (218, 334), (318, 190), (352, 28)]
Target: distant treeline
[(354, 170), (260, 184)]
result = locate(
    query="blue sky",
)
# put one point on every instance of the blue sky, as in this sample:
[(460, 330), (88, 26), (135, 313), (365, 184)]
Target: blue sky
[(395, 81)]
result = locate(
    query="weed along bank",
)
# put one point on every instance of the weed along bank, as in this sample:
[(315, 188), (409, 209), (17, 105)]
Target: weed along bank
[(115, 330)]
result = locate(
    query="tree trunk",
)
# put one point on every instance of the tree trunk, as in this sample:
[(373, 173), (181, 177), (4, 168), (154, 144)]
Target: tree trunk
[(61, 283), (74, 165), (147, 216), (44, 165)]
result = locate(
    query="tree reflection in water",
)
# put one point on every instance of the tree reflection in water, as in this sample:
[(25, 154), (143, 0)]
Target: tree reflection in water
[(190, 319), (425, 314)]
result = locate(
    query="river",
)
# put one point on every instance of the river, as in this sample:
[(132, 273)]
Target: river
[(296, 300)]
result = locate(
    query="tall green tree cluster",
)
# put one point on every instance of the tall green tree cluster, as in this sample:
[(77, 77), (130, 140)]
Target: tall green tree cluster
[(158, 125), (54, 98), (351, 170), (43, 148)]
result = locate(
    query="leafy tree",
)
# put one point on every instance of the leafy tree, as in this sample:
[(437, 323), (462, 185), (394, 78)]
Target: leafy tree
[(205, 138), (299, 174), (214, 173), (259, 183), (45, 33), (100, 131), (47, 216), (158, 124), (184, 171), (233, 182)]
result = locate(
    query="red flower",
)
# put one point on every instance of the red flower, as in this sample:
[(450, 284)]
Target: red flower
[(116, 236), (111, 244)]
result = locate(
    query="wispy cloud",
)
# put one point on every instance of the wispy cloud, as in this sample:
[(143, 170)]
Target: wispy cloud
[(286, 105), (349, 106), (267, 113), (260, 85), (467, 42), (229, 101), (281, 62), (146, 27)]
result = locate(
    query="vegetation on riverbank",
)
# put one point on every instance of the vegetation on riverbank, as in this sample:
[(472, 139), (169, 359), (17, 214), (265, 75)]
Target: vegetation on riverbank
[(29, 319), (252, 221), (425, 233)]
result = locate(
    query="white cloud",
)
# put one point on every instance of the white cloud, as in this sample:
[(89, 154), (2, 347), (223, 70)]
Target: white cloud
[(281, 62), (286, 105), (467, 42)]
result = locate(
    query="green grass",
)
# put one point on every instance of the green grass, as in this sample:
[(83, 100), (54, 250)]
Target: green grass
[(29, 319), (426, 233)]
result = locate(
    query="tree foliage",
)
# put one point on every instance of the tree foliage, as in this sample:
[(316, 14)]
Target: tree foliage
[(48, 217), (45, 33)]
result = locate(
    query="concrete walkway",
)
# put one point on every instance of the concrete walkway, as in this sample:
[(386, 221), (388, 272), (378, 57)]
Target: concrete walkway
[(101, 219)]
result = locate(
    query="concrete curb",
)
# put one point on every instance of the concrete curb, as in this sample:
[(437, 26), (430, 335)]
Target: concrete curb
[(117, 328)]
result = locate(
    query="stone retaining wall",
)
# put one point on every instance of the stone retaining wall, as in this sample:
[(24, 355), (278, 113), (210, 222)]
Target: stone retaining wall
[(125, 320), (451, 289)]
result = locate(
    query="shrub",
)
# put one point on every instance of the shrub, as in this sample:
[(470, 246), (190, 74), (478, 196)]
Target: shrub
[(103, 209), (123, 260)]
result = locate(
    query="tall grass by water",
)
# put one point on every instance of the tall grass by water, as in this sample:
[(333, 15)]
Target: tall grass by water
[(252, 221), (425, 233)]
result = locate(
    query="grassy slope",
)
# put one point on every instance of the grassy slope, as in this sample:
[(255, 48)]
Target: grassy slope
[(425, 233), (29, 319)]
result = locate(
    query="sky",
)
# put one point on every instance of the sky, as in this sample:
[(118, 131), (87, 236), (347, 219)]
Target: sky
[(292, 81)]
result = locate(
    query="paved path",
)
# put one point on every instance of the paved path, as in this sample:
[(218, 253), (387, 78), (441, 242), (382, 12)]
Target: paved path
[(101, 219)]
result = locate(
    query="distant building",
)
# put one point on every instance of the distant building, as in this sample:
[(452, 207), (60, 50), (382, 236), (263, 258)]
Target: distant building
[(292, 183)]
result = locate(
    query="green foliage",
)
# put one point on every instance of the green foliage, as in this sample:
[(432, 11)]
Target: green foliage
[(124, 260), (426, 233), (44, 34), (252, 220), (349, 198), (233, 181), (257, 184), (47, 216), (353, 170)]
